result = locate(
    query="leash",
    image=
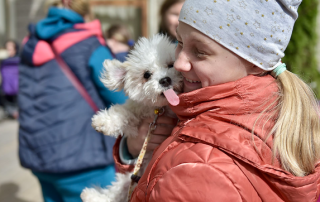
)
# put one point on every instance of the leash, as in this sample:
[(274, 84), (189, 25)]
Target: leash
[(134, 177), (74, 80)]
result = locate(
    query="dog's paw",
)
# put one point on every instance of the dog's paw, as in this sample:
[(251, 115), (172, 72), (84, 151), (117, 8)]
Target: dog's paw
[(98, 122), (92, 195)]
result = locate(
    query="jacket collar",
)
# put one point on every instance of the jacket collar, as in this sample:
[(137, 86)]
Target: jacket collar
[(226, 116), (234, 98)]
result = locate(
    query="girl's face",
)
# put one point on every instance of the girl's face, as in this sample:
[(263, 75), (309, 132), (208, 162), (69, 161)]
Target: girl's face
[(203, 62), (172, 18), (11, 48)]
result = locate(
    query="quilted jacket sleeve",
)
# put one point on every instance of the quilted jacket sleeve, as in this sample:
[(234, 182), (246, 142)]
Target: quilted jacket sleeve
[(122, 168), (194, 182)]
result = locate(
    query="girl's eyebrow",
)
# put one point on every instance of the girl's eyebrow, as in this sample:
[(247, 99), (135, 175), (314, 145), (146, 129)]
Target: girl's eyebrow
[(195, 39), (201, 40)]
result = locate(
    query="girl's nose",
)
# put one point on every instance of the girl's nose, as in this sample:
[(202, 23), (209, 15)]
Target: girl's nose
[(182, 63)]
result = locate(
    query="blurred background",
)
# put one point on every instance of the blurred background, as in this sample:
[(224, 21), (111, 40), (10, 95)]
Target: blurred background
[(141, 17)]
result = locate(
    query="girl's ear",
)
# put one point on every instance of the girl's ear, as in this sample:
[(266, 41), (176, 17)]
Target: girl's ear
[(113, 74)]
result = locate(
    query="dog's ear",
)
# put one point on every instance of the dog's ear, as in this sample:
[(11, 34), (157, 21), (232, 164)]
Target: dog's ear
[(113, 74)]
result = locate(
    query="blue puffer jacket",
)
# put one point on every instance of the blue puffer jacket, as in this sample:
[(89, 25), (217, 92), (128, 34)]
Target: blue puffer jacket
[(55, 133)]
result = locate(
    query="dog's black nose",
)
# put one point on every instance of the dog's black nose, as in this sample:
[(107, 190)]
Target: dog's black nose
[(165, 82)]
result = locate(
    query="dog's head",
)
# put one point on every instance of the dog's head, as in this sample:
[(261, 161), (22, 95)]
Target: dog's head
[(147, 73)]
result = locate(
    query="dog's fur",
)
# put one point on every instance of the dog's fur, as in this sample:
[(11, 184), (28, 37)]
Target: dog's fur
[(154, 57)]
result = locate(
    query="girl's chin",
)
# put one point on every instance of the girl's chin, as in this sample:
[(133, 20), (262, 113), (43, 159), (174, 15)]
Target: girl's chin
[(189, 86)]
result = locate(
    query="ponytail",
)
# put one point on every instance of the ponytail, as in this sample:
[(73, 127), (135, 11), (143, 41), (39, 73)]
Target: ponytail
[(297, 129), (80, 6)]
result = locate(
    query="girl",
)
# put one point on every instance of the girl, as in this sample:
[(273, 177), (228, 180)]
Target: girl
[(169, 14), (118, 40), (9, 72), (248, 129)]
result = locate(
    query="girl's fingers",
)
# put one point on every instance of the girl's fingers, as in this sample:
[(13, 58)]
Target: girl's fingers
[(163, 130), (152, 146), (165, 125), (167, 120), (157, 139)]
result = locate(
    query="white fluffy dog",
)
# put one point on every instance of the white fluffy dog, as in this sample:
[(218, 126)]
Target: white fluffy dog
[(145, 76)]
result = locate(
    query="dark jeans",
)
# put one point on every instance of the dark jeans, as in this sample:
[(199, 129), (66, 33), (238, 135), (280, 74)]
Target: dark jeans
[(10, 105)]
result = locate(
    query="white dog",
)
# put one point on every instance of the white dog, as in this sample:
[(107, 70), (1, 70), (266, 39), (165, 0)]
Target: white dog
[(146, 76)]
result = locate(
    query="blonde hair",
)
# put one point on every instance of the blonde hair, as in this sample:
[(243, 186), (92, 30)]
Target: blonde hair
[(52, 3), (82, 7), (296, 132)]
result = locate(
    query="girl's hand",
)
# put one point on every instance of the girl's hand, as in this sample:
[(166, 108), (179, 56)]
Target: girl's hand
[(165, 125)]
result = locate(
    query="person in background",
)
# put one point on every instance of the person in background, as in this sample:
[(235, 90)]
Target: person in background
[(248, 130), (119, 41), (52, 3), (9, 72), (3, 55), (169, 17), (56, 140)]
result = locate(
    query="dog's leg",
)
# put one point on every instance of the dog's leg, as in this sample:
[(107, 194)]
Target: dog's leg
[(120, 187), (117, 192), (114, 121), (93, 195)]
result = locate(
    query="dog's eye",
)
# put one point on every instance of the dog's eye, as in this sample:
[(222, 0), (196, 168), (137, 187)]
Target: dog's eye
[(147, 75), (170, 65)]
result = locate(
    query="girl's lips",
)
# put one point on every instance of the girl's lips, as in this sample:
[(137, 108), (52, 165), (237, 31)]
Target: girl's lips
[(192, 81), (189, 82)]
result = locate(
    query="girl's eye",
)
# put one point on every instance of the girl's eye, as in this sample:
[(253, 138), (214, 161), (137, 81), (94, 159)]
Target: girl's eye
[(179, 43), (199, 53), (170, 65), (147, 75)]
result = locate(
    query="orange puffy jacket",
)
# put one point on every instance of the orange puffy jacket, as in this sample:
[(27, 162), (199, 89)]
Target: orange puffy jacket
[(213, 156)]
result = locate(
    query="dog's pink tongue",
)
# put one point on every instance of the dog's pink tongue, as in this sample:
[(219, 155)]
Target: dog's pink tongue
[(172, 97)]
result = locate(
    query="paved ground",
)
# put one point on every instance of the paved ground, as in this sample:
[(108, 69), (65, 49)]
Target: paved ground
[(16, 184)]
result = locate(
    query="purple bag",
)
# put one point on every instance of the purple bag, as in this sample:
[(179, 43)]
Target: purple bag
[(10, 75)]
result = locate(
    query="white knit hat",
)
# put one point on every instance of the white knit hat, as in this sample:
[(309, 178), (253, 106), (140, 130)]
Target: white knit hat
[(256, 30)]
